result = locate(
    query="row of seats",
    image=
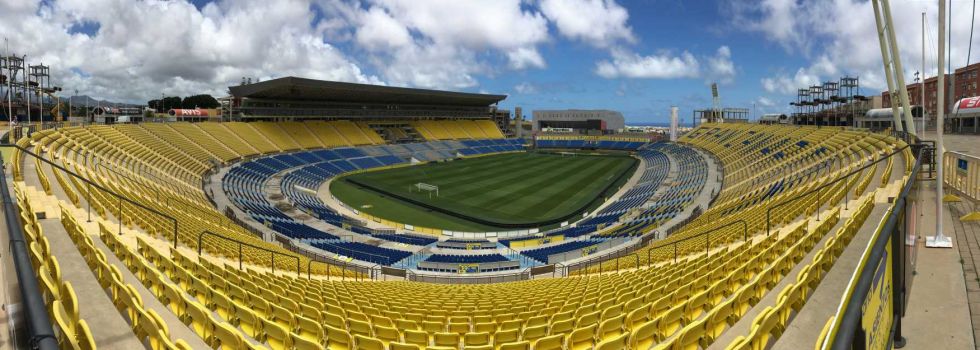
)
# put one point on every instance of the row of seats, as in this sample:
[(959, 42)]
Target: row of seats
[(125, 167), (58, 295)]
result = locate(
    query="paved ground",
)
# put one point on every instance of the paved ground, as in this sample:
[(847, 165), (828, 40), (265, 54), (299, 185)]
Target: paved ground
[(937, 317), (944, 303)]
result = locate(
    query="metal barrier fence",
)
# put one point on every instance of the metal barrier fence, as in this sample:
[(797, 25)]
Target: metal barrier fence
[(872, 307), (961, 172)]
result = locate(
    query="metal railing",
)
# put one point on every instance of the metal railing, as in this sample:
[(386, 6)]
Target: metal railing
[(91, 183), (707, 240), (272, 253), (41, 334), (826, 184)]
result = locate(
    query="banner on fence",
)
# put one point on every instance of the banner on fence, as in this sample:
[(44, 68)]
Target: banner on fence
[(877, 316)]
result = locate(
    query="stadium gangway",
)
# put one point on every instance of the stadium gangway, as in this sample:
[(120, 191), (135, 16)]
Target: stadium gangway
[(818, 188), (90, 184), (272, 253), (41, 334)]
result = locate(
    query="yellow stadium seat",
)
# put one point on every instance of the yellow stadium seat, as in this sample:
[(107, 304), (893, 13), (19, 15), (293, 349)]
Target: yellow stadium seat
[(459, 328), (277, 336), (478, 338), (334, 320), (198, 319), (403, 346), (485, 327), (368, 343), (719, 319), (386, 334), (359, 328), (587, 319), (309, 329), (533, 333), (84, 336), (338, 339), (611, 328), (302, 343), (692, 336), (552, 342), (562, 327), (68, 329), (506, 336), (509, 325), (616, 343), (226, 337), (670, 322), (521, 345), (644, 336), (223, 306), (250, 323), (420, 338), (70, 301), (582, 338), (446, 339)]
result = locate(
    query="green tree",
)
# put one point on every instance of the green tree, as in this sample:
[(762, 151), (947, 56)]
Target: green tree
[(199, 101)]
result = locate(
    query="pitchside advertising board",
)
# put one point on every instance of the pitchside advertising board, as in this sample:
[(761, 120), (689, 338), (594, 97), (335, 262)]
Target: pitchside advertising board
[(877, 316)]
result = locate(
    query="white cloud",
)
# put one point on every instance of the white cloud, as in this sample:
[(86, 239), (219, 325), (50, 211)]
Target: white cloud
[(667, 65), (788, 85), (182, 50), (600, 23), (439, 44), (720, 67), (526, 88), (662, 66), (765, 102), (839, 37), (524, 57)]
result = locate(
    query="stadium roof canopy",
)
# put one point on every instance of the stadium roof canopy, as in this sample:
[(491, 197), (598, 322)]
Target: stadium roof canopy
[(293, 88)]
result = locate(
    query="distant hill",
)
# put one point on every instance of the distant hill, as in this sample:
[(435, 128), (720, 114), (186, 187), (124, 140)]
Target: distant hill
[(81, 100)]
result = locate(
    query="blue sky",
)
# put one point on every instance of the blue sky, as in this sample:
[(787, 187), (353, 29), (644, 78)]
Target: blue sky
[(638, 57)]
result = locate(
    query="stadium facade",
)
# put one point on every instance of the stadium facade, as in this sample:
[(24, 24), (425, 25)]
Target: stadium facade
[(298, 98), (585, 121)]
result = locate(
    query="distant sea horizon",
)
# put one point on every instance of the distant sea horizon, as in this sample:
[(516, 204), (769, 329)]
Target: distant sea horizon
[(660, 124)]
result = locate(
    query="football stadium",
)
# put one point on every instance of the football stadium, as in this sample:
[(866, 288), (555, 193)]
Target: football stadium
[(306, 213)]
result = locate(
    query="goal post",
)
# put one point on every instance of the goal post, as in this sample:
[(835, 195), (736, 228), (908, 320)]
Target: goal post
[(424, 187)]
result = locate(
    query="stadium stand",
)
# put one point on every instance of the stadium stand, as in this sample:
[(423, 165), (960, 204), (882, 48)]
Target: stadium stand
[(590, 142), (678, 295)]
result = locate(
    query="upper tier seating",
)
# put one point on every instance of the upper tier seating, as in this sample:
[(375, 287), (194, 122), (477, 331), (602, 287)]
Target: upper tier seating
[(457, 129)]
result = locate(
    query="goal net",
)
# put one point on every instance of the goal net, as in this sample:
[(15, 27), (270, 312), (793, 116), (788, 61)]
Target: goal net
[(424, 187)]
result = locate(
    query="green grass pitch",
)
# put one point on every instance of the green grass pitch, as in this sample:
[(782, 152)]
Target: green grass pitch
[(507, 189)]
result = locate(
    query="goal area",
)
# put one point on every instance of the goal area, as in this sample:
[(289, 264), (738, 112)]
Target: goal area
[(424, 187)]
